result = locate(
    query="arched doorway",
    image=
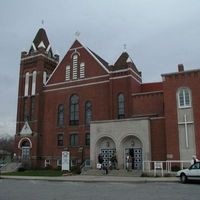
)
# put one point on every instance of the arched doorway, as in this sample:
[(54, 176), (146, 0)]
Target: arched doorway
[(25, 150), (107, 148), (132, 152)]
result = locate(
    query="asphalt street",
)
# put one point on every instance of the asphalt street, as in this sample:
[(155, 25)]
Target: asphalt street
[(53, 190)]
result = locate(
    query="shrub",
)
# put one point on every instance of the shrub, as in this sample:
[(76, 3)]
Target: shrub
[(76, 170)]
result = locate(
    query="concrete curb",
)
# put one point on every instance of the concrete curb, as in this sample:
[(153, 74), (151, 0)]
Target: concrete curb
[(90, 179)]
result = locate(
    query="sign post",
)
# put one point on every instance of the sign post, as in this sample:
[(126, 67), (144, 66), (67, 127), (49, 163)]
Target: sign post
[(65, 161)]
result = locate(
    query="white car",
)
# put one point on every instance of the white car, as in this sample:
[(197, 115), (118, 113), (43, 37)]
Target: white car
[(192, 173)]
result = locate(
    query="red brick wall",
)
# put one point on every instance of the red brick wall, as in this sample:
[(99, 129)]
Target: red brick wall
[(147, 104), (158, 142)]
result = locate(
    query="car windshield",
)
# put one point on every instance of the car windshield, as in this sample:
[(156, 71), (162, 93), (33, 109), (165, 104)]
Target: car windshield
[(195, 166)]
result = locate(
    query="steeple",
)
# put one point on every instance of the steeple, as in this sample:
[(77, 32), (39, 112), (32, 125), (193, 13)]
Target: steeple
[(40, 45), (41, 39)]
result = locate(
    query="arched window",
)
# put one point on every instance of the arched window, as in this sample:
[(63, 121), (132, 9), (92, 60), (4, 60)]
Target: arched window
[(184, 97), (75, 66), (121, 106), (26, 84), (60, 115), (88, 112), (74, 110), (33, 83), (82, 70), (67, 73)]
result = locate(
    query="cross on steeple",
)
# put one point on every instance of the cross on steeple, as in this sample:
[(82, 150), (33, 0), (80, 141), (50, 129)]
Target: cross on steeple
[(77, 34)]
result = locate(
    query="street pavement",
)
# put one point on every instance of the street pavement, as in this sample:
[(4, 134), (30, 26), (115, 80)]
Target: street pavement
[(88, 178)]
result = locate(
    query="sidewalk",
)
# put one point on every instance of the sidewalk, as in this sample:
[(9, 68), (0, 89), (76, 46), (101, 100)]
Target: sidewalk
[(86, 178)]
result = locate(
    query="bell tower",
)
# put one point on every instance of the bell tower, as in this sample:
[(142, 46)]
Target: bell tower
[(36, 66)]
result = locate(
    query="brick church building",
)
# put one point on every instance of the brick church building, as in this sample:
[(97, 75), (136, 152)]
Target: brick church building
[(86, 106)]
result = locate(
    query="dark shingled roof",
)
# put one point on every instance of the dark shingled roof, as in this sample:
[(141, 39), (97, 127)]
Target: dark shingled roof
[(101, 60), (41, 36)]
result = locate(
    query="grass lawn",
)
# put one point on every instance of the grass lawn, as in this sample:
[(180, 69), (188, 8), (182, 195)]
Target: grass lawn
[(35, 173)]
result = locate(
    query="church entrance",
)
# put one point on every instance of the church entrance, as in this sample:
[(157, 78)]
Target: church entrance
[(133, 158), (132, 153), (107, 154), (106, 147)]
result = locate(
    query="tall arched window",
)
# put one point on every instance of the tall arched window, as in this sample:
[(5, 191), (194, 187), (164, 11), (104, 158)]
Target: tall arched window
[(184, 97), (121, 106), (88, 112), (26, 84), (74, 110), (60, 115), (33, 83), (44, 77)]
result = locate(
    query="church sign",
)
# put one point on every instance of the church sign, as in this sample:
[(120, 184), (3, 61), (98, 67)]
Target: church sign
[(65, 161)]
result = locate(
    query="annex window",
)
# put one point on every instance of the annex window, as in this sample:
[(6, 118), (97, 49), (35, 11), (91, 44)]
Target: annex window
[(184, 98), (59, 162), (88, 112), (73, 139), (60, 140), (87, 139), (75, 66), (26, 84), (60, 116), (82, 70), (67, 73), (121, 106), (74, 110), (33, 89), (47, 163)]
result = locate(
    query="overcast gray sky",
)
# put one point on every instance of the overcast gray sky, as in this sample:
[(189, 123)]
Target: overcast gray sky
[(159, 34)]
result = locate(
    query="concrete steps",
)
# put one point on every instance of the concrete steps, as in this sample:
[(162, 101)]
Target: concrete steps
[(124, 173), (10, 167)]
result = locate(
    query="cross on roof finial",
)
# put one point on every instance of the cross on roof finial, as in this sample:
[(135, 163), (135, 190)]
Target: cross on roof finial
[(124, 47), (42, 22), (77, 34)]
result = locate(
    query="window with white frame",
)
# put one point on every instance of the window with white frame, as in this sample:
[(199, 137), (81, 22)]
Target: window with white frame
[(59, 162), (67, 73), (33, 89), (47, 163), (82, 70), (184, 97), (26, 84), (75, 66)]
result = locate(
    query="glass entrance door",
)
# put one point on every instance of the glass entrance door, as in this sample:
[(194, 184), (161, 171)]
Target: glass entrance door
[(135, 157), (107, 155), (25, 153)]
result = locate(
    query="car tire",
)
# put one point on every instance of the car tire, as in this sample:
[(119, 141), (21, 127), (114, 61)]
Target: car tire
[(183, 178)]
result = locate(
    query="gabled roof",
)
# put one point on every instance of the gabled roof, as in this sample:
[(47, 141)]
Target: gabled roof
[(124, 61)]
